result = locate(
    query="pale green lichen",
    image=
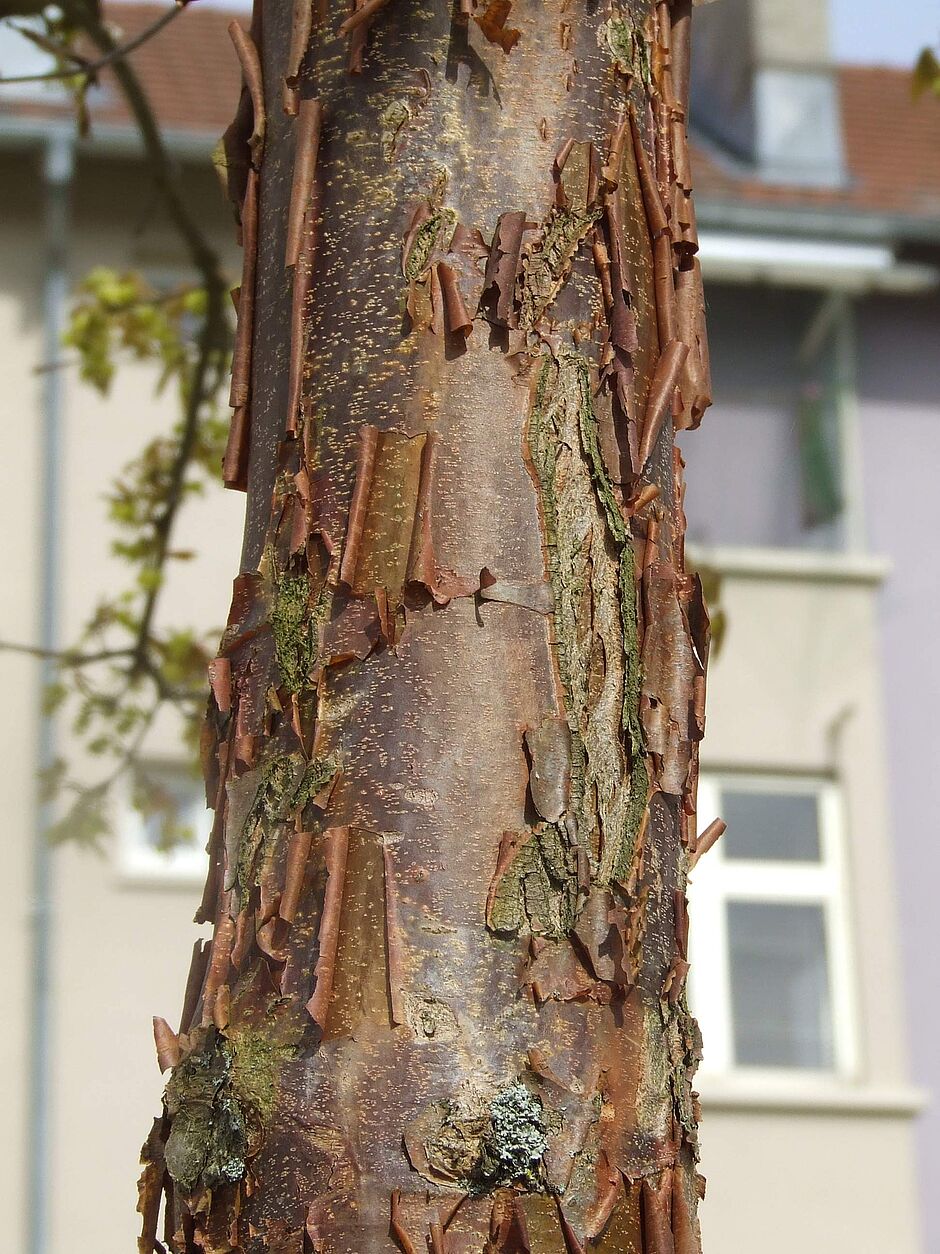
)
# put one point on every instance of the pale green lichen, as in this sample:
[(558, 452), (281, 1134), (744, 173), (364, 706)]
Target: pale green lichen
[(255, 1070), (219, 1099), (392, 121), (544, 271), (438, 228), (295, 623), (628, 48), (591, 571), (287, 784), (512, 1146), (482, 1142), (539, 891)]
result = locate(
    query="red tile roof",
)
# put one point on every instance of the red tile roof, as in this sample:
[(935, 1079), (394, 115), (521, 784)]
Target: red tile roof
[(892, 149), (188, 70), (892, 141)]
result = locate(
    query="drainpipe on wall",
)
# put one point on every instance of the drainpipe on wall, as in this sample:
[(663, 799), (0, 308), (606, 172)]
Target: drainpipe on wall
[(58, 161)]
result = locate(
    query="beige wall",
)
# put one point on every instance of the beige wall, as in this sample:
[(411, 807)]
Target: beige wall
[(792, 32), (807, 1184), (795, 688), (123, 955), (120, 953)]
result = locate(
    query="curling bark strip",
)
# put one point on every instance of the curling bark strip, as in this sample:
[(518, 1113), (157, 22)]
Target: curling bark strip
[(453, 728)]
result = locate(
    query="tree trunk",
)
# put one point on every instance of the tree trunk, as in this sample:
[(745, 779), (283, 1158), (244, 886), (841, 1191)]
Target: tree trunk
[(452, 737)]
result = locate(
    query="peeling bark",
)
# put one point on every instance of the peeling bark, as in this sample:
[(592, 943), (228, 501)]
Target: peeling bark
[(453, 725)]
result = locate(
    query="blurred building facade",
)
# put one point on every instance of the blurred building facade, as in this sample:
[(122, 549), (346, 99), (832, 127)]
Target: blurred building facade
[(810, 494)]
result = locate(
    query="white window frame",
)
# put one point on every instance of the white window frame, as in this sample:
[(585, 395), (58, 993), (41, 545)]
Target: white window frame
[(138, 863), (717, 879)]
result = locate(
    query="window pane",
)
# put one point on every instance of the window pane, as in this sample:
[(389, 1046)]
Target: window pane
[(176, 796), (754, 425), (779, 985), (782, 826)]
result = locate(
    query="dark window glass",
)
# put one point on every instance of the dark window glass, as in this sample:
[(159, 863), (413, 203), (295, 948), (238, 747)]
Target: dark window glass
[(779, 985), (775, 420), (781, 826), (174, 807)]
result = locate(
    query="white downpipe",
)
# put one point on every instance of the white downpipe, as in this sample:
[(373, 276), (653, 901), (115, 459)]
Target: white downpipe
[(57, 170)]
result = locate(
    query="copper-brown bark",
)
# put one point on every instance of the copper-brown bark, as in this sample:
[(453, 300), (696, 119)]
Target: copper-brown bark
[(452, 736)]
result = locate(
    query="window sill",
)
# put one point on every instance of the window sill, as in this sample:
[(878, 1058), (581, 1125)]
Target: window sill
[(773, 1094), (806, 564), (147, 874)]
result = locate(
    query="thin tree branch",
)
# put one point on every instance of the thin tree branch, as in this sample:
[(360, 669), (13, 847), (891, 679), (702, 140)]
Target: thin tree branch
[(66, 657), (161, 166), (213, 338), (130, 755), (89, 69), (200, 380), (200, 389)]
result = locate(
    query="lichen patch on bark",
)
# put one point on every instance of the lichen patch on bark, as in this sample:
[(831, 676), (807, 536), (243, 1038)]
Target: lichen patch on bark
[(591, 571), (219, 1098), (481, 1140)]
